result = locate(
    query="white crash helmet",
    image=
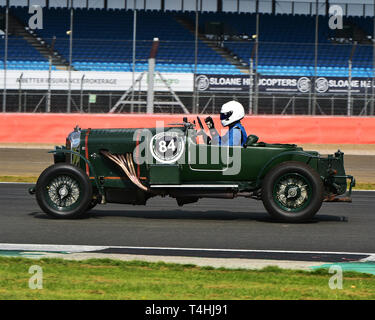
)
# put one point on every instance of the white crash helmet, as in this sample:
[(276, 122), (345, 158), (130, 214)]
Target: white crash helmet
[(231, 112)]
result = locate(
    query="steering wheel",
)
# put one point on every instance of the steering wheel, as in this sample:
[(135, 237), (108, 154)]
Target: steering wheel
[(200, 123), (206, 138)]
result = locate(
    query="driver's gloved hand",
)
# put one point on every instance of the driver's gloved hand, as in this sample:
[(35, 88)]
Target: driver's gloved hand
[(200, 133), (210, 123)]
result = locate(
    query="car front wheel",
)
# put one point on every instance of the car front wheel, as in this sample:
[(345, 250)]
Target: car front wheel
[(63, 191)]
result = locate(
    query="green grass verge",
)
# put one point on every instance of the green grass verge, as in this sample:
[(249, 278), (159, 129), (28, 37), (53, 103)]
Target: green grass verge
[(364, 186), (112, 279), (359, 185), (18, 179)]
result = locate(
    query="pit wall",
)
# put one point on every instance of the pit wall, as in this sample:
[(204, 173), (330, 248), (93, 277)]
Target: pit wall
[(53, 128)]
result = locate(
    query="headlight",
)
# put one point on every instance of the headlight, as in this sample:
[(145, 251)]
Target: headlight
[(75, 139)]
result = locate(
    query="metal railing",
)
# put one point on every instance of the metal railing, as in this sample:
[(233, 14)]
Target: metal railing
[(208, 103)]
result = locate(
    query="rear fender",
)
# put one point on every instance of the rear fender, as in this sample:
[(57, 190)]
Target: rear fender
[(282, 157)]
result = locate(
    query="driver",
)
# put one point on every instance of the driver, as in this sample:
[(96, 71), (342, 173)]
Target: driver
[(230, 115)]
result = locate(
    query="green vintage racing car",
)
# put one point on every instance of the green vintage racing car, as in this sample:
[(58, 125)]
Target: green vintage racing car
[(129, 166)]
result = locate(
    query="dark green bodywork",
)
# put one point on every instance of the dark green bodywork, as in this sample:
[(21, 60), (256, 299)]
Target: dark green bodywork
[(257, 159)]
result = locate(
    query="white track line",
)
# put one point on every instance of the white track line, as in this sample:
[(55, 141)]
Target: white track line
[(86, 248), (49, 247), (239, 250), (370, 258)]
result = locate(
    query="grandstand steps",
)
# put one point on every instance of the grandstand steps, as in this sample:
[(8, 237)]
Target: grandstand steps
[(225, 53), (19, 29)]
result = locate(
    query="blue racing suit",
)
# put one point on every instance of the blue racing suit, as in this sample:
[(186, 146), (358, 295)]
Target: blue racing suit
[(236, 136)]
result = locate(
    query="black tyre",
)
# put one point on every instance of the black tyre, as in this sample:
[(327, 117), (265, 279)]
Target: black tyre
[(292, 191), (63, 191), (93, 203)]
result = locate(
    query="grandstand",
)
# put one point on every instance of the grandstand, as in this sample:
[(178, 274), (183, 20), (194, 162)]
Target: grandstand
[(289, 49), (106, 46), (22, 56), (102, 40)]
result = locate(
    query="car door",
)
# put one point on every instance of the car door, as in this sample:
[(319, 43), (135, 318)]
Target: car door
[(211, 162)]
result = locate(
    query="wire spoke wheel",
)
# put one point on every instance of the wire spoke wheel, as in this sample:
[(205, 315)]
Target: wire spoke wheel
[(292, 192), (64, 191)]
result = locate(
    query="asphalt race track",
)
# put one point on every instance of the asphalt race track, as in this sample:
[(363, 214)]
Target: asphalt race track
[(211, 223)]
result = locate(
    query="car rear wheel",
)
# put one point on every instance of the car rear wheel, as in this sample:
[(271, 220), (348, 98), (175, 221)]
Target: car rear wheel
[(292, 191), (93, 203), (64, 191)]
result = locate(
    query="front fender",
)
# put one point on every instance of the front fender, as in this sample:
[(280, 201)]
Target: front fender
[(65, 151)]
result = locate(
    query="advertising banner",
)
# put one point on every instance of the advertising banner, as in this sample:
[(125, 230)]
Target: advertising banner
[(281, 84), (179, 82), (92, 80)]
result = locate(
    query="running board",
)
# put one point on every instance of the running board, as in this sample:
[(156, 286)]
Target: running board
[(194, 186)]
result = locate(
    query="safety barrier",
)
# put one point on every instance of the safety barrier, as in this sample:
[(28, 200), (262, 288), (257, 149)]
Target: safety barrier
[(53, 128)]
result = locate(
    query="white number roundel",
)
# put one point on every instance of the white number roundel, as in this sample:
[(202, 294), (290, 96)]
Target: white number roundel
[(167, 147)]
